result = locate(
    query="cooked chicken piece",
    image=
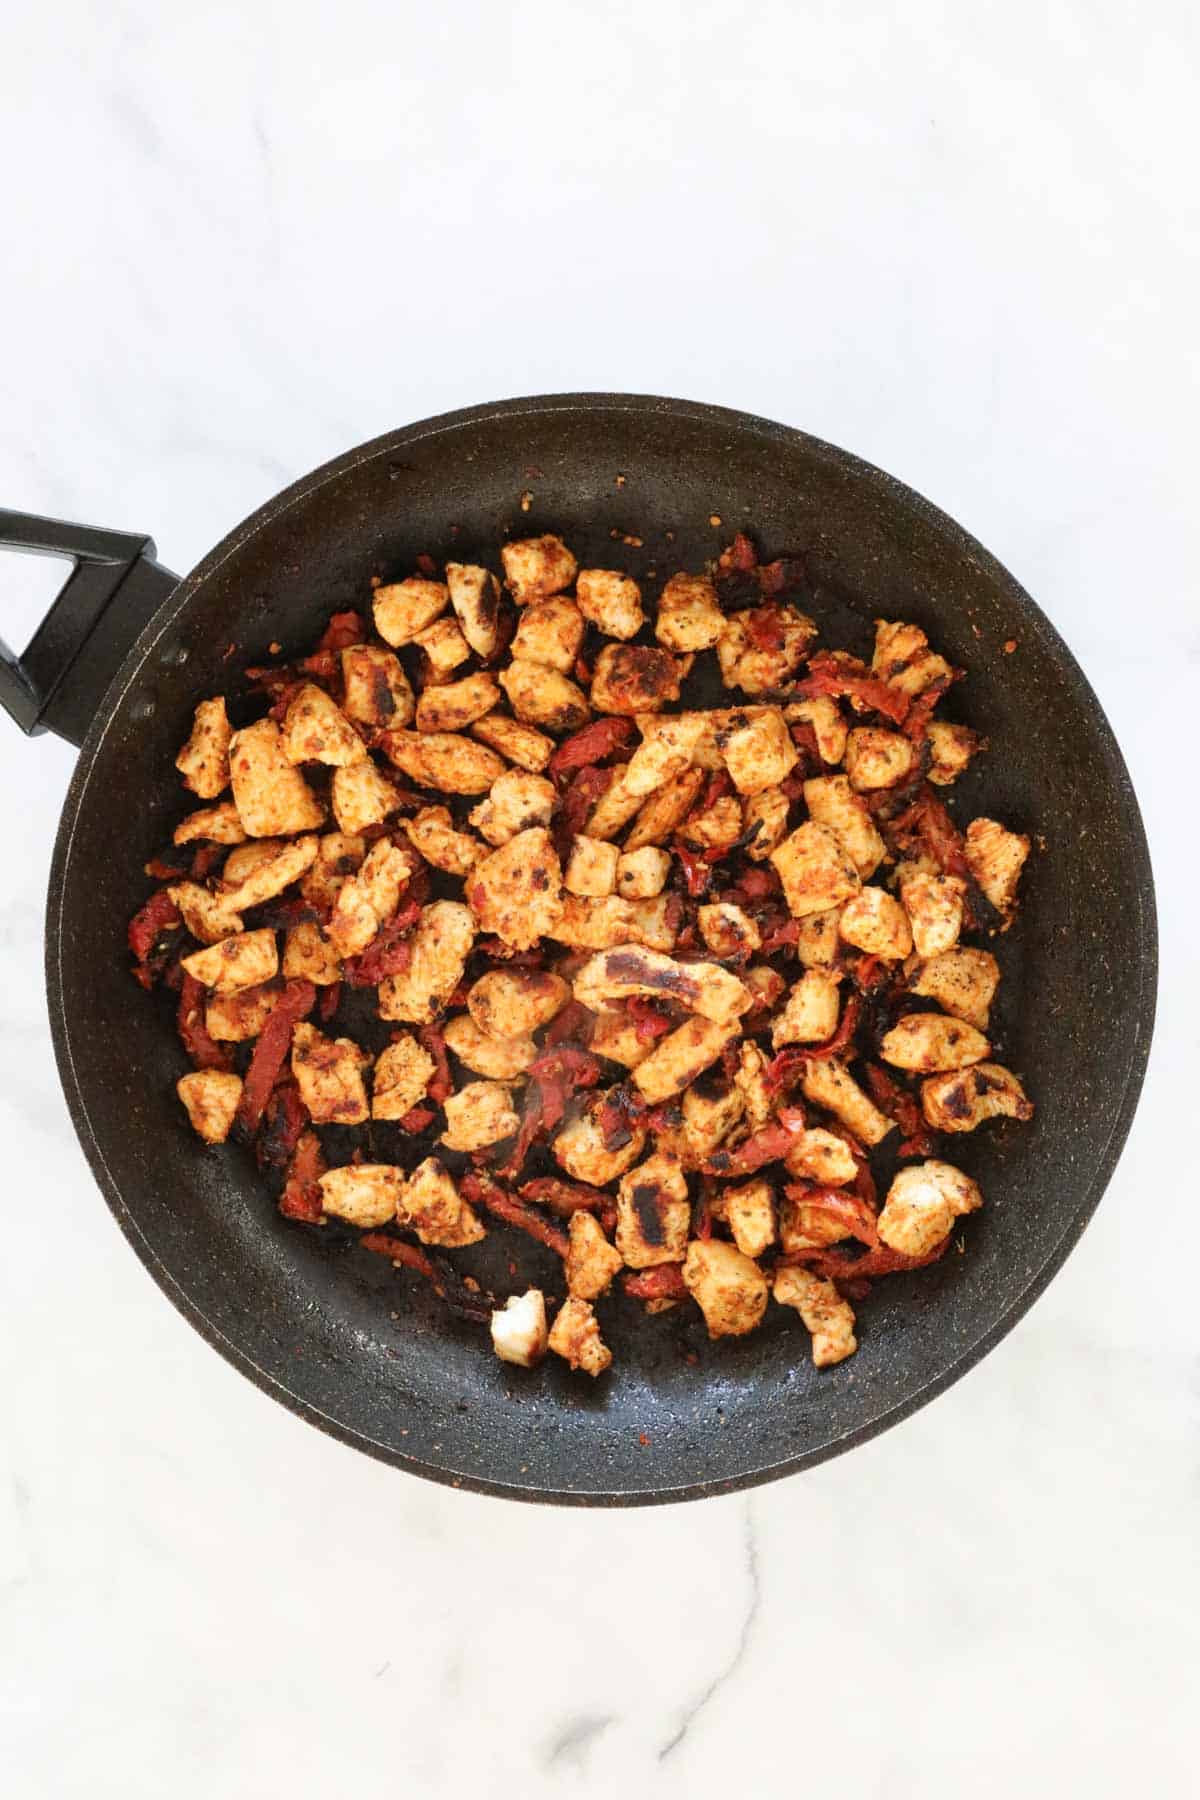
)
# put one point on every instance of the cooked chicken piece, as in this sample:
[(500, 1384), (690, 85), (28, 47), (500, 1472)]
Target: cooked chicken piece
[(432, 833), (617, 974), (821, 1156), (317, 730), (521, 744), (761, 649), (934, 904), (711, 1108), (803, 1226), (481, 1113), (689, 614), (611, 601), (441, 944), (456, 704), (245, 858), (829, 727), (828, 1083), (965, 1098), (617, 805), (730, 1290), (273, 799), (653, 1212), (204, 759), (925, 1042), (718, 827), (658, 816), (817, 939), (765, 814), (550, 633), (500, 1059), (590, 1262), (641, 874), (431, 1205), (236, 1018), (591, 868), (750, 1215), (211, 1097), (816, 871), (832, 802), (236, 962), (877, 924), (766, 984), (338, 855), (826, 1315), (308, 956), (667, 748), (364, 1194), (922, 1204), (677, 1059), (328, 1072), (751, 1079), (575, 1335), (878, 759), (904, 659), (406, 607), (963, 982), (443, 760), (513, 1002), (634, 678), (535, 568), (209, 917), (445, 647), (376, 689), (598, 924), (516, 892), (273, 873), (475, 597), (368, 897), (952, 748), (811, 1013), (580, 1149), (519, 1333), (996, 857), (516, 801), (218, 824), (727, 930), (758, 749), (616, 1036), (403, 1070), (361, 796), (541, 696)]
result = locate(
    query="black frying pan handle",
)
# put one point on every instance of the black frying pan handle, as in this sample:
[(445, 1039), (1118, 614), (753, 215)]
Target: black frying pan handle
[(112, 590)]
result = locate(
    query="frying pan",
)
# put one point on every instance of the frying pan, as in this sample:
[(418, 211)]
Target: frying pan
[(369, 1354)]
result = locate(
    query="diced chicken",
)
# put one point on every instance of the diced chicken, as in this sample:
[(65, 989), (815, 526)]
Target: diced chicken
[(811, 1013), (204, 759), (705, 988), (236, 962), (590, 1262), (952, 747), (369, 896), (828, 1083), (209, 917), (361, 795), (653, 923), (516, 892), (218, 824), (677, 1059), (432, 833), (689, 614), (273, 799), (750, 1215), (328, 1072), (925, 1042), (667, 748), (758, 749), (445, 648), (730, 1289), (996, 857), (406, 607), (878, 759), (444, 760), (575, 1336), (766, 815), (479, 1114), (821, 1156), (617, 805), (317, 730), (596, 924), (710, 1113), (535, 568), (816, 870), (580, 1149), (829, 727), (962, 981), (727, 930), (872, 921), (456, 704), (591, 868), (441, 944), (718, 827), (817, 939), (904, 660), (550, 632), (832, 802), (922, 1204), (431, 1205), (519, 1333), (658, 816), (364, 1194), (541, 696), (211, 1097), (751, 1080), (376, 691), (610, 601), (515, 803), (272, 874), (475, 597), (653, 1212), (245, 858), (236, 1018), (616, 1036), (761, 649), (403, 1070), (963, 1099), (500, 1059), (934, 904), (511, 1003), (634, 678), (828, 1317), (521, 744), (803, 1226), (641, 874), (309, 956), (767, 986)]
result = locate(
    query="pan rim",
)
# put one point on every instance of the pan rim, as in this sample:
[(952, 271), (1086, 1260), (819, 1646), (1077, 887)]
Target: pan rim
[(1132, 831)]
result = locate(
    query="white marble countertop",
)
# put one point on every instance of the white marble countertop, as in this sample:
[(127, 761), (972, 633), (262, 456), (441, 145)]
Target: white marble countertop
[(961, 241)]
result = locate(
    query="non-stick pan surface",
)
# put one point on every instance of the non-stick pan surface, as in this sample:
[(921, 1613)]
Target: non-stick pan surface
[(369, 1354)]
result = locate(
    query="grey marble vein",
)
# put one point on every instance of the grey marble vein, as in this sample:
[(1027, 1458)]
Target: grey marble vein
[(572, 1744), (692, 1712)]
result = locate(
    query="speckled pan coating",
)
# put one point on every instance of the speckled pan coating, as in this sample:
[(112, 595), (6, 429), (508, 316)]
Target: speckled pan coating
[(368, 1354)]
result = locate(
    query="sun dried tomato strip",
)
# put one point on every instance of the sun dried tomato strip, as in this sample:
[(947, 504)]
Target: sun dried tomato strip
[(388, 953), (581, 797), (417, 1118), (838, 1264), (664, 1282), (205, 860), (494, 949), (740, 555), (204, 1051), (574, 1025), (498, 1201), (301, 1197), (441, 1082), (828, 674), (649, 1020), (788, 1066), (283, 1120), (590, 745), (343, 629), (159, 914), (786, 932), (770, 1144), (904, 1107), (329, 1001), (564, 1197), (850, 1210), (271, 1051), (399, 1252)]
